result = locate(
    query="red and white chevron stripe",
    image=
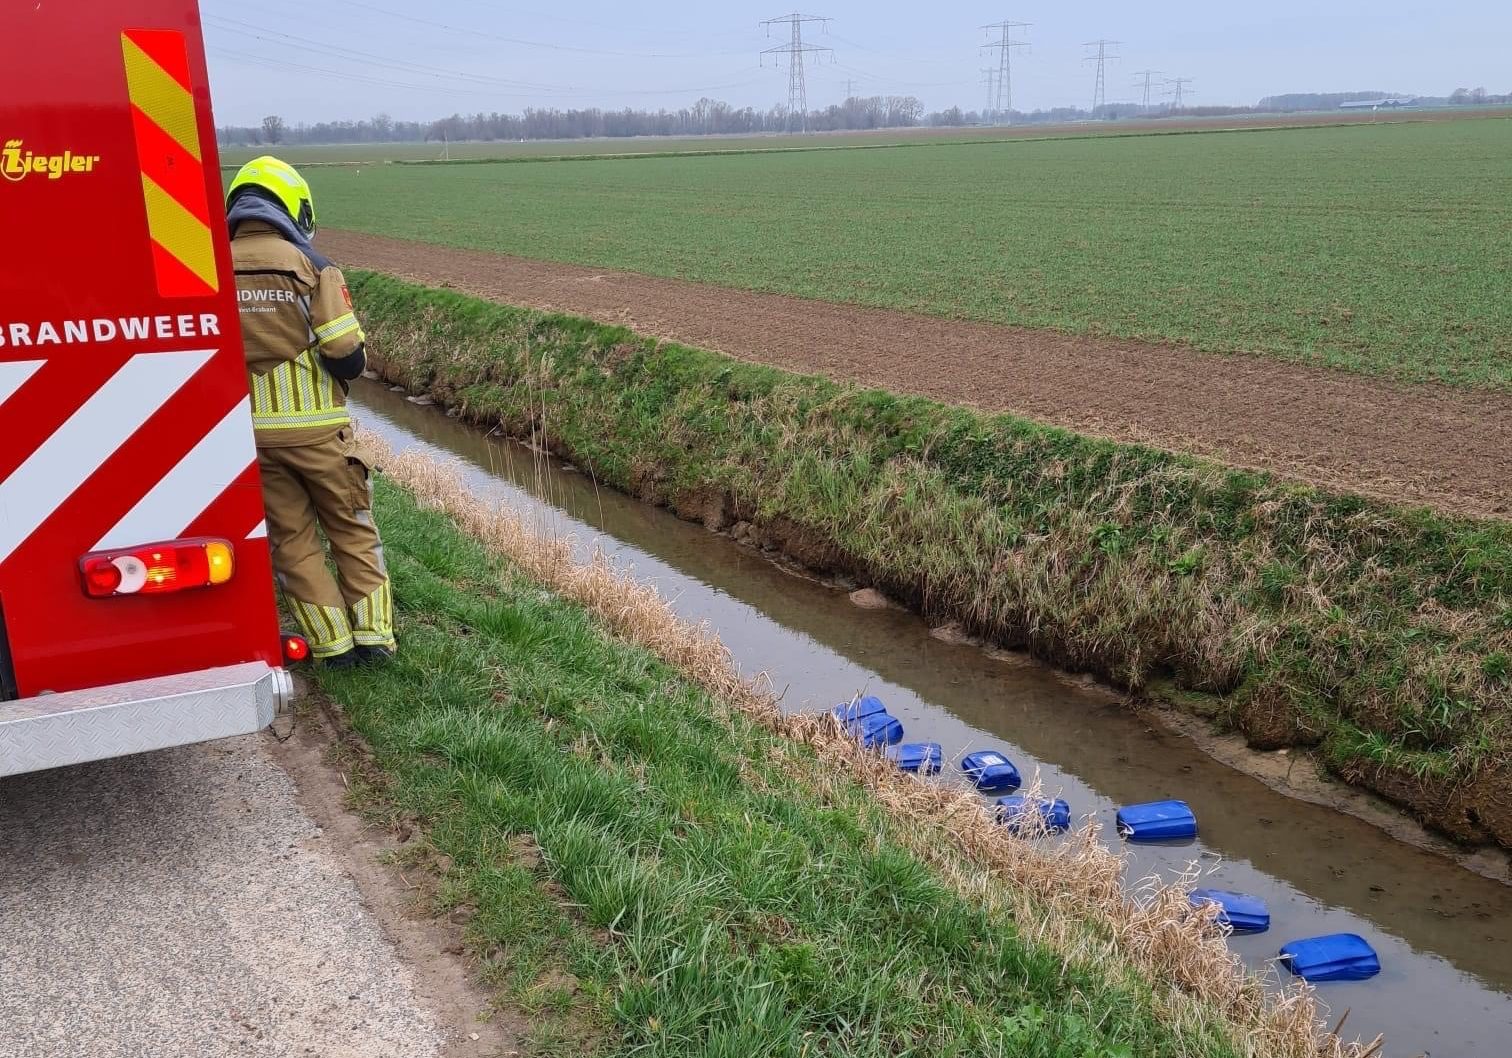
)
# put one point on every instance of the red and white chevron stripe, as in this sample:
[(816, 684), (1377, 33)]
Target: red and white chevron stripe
[(167, 499)]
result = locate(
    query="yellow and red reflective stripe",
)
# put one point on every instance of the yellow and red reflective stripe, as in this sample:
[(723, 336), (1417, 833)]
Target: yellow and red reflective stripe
[(170, 158)]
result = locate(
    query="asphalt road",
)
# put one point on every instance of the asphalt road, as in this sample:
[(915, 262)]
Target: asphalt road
[(184, 904)]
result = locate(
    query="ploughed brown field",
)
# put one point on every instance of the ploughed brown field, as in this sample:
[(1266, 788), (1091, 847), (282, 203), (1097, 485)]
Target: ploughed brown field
[(1448, 448)]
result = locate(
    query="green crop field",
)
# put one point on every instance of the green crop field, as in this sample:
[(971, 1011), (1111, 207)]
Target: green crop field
[(1382, 249), (532, 150), (639, 146), (350, 153), (366, 153)]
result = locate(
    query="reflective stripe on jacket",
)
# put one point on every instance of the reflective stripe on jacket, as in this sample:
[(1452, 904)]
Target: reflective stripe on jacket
[(297, 394), (302, 338)]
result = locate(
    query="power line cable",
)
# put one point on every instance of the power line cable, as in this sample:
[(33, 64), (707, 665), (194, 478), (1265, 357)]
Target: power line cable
[(289, 40), (900, 57), (480, 92), (492, 6), (285, 64), (474, 32), (864, 75)]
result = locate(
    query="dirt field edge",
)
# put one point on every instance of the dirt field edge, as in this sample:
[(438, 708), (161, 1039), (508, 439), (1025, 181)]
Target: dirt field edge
[(1429, 444)]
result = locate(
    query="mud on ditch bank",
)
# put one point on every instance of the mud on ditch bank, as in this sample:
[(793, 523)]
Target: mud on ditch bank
[(1378, 635)]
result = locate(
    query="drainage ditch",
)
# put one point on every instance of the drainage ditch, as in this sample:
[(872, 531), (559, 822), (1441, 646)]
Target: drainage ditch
[(1442, 931)]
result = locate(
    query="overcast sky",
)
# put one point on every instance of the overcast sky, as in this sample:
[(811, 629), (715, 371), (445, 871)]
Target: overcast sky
[(311, 60)]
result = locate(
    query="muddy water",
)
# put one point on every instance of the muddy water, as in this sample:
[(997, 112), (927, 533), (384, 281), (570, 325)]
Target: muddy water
[(1444, 934)]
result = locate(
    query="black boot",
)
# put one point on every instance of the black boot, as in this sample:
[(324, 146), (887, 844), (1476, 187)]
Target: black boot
[(369, 655), (348, 659)]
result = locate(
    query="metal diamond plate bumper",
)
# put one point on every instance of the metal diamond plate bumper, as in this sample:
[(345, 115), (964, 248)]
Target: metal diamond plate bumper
[(57, 729)]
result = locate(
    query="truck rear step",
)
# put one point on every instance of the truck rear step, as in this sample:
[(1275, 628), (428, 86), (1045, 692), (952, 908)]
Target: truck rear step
[(53, 730)]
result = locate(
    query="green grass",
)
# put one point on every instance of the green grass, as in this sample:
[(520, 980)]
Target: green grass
[(1377, 249), (646, 876), (1381, 633)]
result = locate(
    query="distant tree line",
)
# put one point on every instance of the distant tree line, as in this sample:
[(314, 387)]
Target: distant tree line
[(956, 117), (1293, 101), (709, 117), (1460, 97)]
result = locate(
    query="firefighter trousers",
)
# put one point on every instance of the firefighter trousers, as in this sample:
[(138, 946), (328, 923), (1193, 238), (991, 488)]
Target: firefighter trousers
[(326, 484)]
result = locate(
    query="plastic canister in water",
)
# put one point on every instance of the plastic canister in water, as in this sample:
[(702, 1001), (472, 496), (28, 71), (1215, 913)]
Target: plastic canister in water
[(1336, 957), (923, 757), (990, 771), (1158, 821), (1239, 911), (878, 729), (870, 705), (1014, 813)]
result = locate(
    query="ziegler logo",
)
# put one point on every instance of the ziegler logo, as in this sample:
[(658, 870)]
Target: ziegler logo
[(17, 164)]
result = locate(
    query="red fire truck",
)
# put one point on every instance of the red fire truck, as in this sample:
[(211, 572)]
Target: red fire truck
[(136, 592)]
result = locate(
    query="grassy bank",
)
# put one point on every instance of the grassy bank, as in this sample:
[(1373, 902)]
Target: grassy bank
[(653, 860), (1382, 636), (1376, 249)]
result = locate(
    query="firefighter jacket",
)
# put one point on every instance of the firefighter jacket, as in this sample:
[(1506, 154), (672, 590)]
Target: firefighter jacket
[(303, 341)]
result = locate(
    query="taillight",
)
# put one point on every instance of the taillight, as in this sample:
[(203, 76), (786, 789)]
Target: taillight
[(295, 649), (157, 569)]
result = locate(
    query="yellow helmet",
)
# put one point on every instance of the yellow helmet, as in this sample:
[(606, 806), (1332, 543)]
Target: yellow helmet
[(282, 182)]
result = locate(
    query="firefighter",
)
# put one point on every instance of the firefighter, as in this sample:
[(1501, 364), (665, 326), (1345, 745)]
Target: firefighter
[(304, 345)]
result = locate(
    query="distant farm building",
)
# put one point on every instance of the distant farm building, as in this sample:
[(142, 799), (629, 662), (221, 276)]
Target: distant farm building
[(1392, 103)]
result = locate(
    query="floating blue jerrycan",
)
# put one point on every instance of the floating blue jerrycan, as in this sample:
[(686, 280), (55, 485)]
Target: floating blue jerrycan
[(990, 771), (1336, 957), (1239, 911), (1158, 821), (926, 758), (1014, 812), (877, 729), (847, 712)]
